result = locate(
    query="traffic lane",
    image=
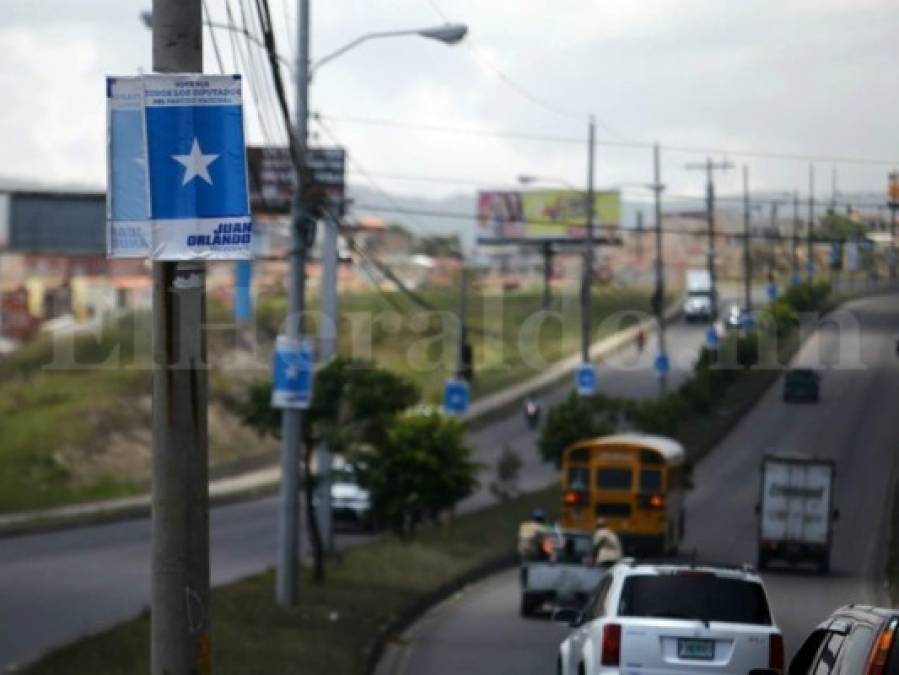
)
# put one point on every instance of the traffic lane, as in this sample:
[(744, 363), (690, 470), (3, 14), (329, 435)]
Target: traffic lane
[(479, 631), (56, 587), (851, 425), (482, 632), (629, 373)]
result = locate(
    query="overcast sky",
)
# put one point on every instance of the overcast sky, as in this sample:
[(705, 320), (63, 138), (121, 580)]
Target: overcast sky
[(805, 77)]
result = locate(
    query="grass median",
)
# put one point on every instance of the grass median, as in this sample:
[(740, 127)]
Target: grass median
[(336, 624)]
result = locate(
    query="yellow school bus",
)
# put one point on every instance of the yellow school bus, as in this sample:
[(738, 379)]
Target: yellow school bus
[(635, 481)]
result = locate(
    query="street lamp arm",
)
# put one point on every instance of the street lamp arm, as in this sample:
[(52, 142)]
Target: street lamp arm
[(355, 43), (449, 34)]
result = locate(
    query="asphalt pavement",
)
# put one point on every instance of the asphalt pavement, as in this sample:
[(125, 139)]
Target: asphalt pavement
[(479, 630), (58, 586)]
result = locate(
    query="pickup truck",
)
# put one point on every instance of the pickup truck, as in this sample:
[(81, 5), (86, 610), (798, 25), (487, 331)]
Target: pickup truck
[(562, 575), (795, 510)]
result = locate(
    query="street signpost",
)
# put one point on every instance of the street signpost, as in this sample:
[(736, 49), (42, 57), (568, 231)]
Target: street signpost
[(455, 396), (293, 373), (585, 379)]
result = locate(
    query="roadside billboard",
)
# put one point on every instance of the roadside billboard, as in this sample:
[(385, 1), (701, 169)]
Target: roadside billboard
[(545, 214), (894, 189), (272, 177)]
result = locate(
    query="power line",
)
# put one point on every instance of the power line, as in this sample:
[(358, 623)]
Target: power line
[(571, 140), (699, 232), (215, 44)]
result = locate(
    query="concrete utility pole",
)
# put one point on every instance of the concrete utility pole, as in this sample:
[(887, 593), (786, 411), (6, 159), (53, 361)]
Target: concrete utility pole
[(180, 548), (794, 257), (328, 332), (747, 252), (639, 246), (659, 303), (773, 238), (810, 232), (894, 208), (292, 418), (547, 251), (587, 274), (462, 347), (710, 167)]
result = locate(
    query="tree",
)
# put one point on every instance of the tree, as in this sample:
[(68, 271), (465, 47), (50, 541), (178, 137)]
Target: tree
[(353, 402), (437, 245), (423, 469), (575, 419)]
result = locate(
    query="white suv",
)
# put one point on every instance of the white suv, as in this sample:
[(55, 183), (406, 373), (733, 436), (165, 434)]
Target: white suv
[(677, 619)]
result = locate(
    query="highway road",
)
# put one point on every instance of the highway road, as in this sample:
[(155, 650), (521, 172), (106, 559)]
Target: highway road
[(479, 631), (58, 586)]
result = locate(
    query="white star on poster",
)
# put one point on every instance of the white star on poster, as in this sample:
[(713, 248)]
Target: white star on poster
[(196, 164)]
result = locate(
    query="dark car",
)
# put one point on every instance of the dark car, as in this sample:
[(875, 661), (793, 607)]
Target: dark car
[(802, 384), (854, 640)]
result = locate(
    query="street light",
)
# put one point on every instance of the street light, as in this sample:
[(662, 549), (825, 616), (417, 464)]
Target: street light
[(531, 179), (449, 34), (292, 419)]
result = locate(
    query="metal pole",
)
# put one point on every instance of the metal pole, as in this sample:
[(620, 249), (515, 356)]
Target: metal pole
[(794, 258), (659, 305), (547, 250), (328, 332), (180, 547), (773, 236), (639, 247), (747, 252), (809, 235), (463, 322), (710, 215), (894, 207), (587, 276), (292, 419)]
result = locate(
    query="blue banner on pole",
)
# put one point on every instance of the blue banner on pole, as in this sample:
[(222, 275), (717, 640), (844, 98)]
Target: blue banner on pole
[(292, 386), (455, 396), (662, 364), (711, 338), (772, 290), (243, 300), (585, 379), (177, 168)]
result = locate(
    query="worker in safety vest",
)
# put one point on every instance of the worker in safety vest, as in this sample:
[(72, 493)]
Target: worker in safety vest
[(606, 544)]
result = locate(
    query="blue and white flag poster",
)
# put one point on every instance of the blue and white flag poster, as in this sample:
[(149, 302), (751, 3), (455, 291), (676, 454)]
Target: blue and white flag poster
[(128, 232), (292, 386), (199, 201)]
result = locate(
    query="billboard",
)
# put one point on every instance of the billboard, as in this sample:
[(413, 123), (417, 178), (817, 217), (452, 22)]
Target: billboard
[(894, 189), (272, 177), (545, 214), (56, 223)]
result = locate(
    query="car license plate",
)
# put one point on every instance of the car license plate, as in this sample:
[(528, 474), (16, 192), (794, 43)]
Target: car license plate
[(698, 650)]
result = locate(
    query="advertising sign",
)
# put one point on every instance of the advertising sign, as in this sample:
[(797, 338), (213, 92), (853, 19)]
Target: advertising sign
[(177, 168), (894, 189), (272, 177), (547, 214)]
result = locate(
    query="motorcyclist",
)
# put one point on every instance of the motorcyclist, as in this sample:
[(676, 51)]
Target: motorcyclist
[(530, 534), (606, 544), (531, 411)]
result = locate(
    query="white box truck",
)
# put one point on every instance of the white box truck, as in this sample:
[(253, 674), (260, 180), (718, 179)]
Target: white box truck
[(700, 303), (796, 512)]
